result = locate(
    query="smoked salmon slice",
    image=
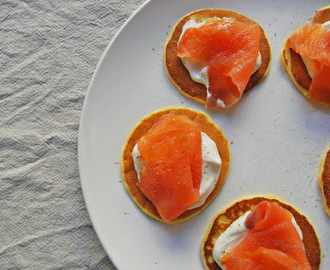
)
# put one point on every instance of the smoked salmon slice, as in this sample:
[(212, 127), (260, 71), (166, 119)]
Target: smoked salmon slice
[(229, 49), (313, 42), (171, 165), (272, 242)]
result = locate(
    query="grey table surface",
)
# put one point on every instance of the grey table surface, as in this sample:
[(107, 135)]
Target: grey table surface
[(48, 53)]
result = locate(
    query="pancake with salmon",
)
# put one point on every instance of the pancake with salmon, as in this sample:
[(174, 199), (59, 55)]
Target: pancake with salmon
[(214, 56), (174, 163), (306, 58), (273, 235), (324, 180)]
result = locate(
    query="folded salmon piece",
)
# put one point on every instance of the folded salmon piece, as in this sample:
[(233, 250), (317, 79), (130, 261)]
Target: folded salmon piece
[(171, 154), (229, 49), (272, 242)]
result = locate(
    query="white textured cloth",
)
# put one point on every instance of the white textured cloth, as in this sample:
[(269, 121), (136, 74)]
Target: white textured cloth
[(48, 53)]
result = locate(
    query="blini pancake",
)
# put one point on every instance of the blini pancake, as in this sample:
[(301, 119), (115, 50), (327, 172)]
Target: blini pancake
[(223, 220), (324, 180), (293, 62), (180, 76), (206, 125)]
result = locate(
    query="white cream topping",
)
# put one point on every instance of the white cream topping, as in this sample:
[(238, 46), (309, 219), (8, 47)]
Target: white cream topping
[(136, 159), (308, 65), (230, 238), (233, 235), (211, 167), (307, 61), (326, 25), (197, 70)]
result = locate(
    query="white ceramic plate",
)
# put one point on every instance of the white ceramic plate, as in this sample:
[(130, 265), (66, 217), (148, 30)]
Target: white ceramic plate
[(277, 137)]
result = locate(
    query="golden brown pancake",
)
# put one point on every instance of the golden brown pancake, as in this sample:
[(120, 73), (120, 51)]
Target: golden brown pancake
[(293, 62), (324, 180), (223, 220), (179, 75), (206, 125)]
